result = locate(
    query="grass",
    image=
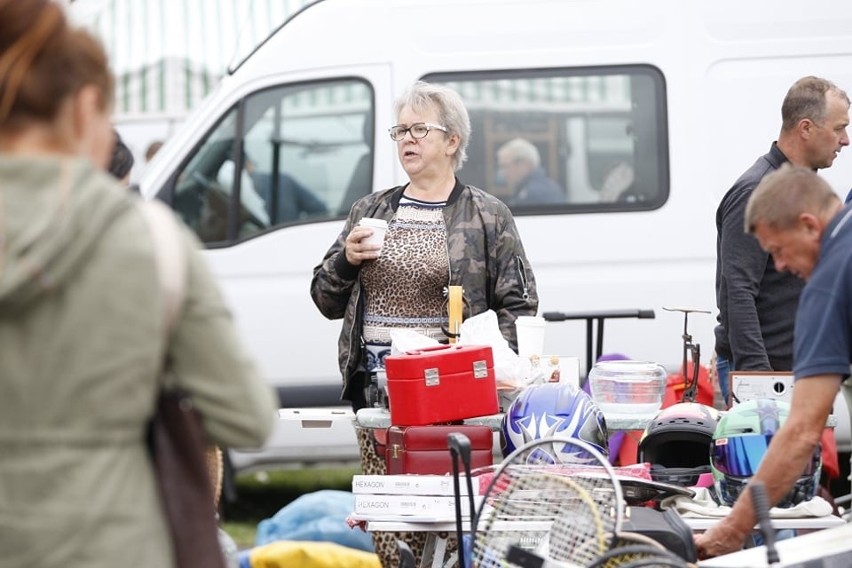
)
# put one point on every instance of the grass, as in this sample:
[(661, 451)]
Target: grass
[(261, 495)]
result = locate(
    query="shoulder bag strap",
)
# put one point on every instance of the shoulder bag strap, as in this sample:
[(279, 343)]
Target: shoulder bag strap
[(187, 478), (170, 257)]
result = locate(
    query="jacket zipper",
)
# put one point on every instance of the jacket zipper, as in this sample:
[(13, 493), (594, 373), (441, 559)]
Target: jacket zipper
[(522, 274)]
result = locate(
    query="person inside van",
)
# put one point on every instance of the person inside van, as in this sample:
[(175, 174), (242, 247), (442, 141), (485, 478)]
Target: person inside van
[(82, 320), (440, 232), (289, 200), (519, 164), (617, 181), (249, 197)]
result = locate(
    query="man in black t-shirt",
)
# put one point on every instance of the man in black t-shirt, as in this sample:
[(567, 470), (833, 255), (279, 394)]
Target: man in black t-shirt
[(757, 302)]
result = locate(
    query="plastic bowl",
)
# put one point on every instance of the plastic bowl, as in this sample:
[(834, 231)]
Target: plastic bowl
[(628, 387)]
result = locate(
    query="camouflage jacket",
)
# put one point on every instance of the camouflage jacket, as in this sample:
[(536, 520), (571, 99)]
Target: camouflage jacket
[(486, 257)]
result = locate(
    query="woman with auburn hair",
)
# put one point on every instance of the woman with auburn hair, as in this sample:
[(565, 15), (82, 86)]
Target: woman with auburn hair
[(82, 325)]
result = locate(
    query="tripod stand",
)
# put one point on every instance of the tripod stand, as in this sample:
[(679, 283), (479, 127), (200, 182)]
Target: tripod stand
[(693, 350)]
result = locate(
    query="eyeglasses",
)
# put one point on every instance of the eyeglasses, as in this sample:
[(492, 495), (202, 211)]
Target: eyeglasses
[(418, 130)]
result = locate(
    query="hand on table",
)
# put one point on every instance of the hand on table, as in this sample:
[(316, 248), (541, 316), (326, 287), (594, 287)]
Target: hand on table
[(721, 538)]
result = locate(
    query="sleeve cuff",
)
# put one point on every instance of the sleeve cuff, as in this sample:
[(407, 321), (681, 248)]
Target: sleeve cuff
[(344, 269)]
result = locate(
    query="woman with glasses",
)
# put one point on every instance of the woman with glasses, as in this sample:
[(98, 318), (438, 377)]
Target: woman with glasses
[(440, 233)]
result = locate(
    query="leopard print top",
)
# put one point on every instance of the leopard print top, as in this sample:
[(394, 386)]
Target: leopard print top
[(403, 288)]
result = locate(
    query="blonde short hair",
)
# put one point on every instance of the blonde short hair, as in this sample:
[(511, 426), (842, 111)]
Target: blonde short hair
[(451, 112)]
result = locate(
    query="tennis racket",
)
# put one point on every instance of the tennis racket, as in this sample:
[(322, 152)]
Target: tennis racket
[(552, 502)]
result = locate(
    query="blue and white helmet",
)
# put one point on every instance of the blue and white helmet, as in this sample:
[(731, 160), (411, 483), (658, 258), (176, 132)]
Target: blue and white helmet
[(552, 409)]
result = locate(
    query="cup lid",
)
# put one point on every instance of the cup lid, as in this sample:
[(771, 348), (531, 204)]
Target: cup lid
[(373, 222)]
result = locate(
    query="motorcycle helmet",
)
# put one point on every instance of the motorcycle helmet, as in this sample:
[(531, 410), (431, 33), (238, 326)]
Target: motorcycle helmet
[(554, 409), (676, 443), (739, 443)]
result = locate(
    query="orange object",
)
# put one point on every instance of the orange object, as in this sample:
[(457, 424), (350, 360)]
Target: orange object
[(455, 308), (628, 453), (830, 462), (675, 386)]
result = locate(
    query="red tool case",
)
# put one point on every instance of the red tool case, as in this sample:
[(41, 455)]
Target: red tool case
[(424, 449), (444, 383)]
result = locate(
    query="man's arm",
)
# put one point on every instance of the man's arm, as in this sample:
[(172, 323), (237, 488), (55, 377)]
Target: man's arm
[(785, 459), (743, 265)]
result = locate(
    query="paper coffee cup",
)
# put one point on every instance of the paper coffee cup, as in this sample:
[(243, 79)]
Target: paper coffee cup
[(530, 330), (379, 227)]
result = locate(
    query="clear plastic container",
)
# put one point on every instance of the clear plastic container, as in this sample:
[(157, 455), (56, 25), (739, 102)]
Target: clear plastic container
[(628, 387)]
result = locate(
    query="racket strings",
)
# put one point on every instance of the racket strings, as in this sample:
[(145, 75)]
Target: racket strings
[(558, 512)]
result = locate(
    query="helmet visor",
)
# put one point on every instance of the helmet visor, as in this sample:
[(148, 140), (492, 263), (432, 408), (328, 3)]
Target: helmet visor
[(740, 456)]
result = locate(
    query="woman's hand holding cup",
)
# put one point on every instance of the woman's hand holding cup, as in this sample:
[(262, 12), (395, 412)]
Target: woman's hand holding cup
[(365, 240)]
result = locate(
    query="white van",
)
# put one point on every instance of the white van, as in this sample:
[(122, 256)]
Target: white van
[(643, 112)]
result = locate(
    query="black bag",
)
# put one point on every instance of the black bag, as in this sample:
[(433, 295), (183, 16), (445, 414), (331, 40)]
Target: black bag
[(179, 450), (665, 527)]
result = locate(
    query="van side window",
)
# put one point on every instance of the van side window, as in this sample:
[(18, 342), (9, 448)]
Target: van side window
[(570, 140), (296, 153)]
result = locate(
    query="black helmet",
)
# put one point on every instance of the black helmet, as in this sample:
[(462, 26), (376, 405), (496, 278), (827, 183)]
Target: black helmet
[(677, 443)]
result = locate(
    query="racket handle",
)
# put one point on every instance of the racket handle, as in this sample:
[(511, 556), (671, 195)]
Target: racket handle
[(761, 510), (461, 444)]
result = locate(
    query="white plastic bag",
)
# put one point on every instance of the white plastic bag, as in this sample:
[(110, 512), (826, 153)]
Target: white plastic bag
[(510, 371), (403, 340)]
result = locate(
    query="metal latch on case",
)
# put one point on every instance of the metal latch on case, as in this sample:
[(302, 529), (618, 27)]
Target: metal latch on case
[(432, 377), (480, 369)]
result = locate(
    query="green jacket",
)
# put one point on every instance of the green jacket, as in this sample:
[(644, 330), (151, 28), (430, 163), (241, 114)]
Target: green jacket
[(81, 350), (486, 258)]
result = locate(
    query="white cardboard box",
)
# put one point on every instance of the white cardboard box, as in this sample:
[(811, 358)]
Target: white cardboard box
[(410, 485), (751, 385), (420, 505)]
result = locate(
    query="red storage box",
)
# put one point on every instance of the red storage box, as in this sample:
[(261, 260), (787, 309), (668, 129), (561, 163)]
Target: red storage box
[(441, 384), (424, 449)]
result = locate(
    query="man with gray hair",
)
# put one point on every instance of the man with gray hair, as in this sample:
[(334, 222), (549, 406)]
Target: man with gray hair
[(519, 164), (799, 220), (756, 302)]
